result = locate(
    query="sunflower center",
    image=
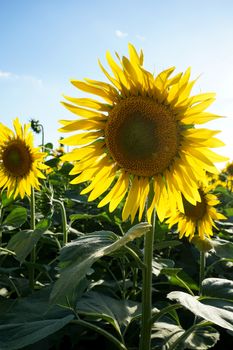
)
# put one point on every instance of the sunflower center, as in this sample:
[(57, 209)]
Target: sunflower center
[(195, 212), (142, 135), (17, 158)]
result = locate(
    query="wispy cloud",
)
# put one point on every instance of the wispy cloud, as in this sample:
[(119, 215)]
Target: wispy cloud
[(120, 34), (26, 78), (5, 74), (141, 37)]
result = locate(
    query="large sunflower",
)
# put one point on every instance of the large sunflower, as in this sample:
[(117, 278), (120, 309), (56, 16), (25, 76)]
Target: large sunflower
[(141, 139), (197, 218), (20, 162)]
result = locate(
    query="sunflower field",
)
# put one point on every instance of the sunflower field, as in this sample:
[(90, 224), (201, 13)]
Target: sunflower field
[(122, 236)]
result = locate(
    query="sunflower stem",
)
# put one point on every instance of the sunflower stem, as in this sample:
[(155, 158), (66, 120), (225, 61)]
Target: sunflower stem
[(42, 137), (145, 340), (64, 220), (33, 252), (202, 270)]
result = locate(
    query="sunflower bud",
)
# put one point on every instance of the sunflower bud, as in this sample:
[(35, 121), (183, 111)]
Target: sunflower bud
[(35, 125)]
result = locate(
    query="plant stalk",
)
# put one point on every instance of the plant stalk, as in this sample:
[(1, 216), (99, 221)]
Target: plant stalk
[(42, 137), (202, 270), (145, 339), (64, 220), (33, 252)]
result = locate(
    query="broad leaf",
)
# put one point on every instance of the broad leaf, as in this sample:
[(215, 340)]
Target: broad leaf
[(178, 277), (23, 242), (117, 312), (219, 316), (17, 335), (158, 264), (77, 257), (223, 248), (164, 335), (218, 288), (202, 338), (16, 218), (228, 211), (29, 320)]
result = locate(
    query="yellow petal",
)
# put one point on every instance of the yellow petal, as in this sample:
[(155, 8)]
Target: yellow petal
[(131, 203), (82, 138), (117, 192), (82, 112), (144, 191), (78, 125), (89, 103), (81, 85)]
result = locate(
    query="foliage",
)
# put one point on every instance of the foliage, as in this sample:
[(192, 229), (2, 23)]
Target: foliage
[(87, 293)]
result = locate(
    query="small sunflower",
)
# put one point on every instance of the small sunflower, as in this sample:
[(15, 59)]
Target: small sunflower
[(141, 139), (228, 171), (216, 181), (197, 218), (20, 162)]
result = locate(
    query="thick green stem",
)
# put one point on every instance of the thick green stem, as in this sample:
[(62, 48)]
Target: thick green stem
[(145, 340), (33, 252), (64, 220), (202, 270)]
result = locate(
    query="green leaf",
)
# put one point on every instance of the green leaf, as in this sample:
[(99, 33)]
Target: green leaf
[(164, 335), (219, 316), (77, 257), (218, 288), (223, 248), (228, 211), (159, 264), (16, 218), (178, 277), (117, 312), (5, 200), (17, 335), (23, 242), (28, 320), (53, 162), (48, 146), (168, 336), (202, 338), (85, 216)]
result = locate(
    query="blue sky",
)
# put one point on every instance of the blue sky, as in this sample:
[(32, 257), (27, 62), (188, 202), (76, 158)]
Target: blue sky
[(45, 43)]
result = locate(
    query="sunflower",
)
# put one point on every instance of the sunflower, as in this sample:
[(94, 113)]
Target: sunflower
[(217, 180), (197, 218), (140, 141), (228, 172), (20, 162)]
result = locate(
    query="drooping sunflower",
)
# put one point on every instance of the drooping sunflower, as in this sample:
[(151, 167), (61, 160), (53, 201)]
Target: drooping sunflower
[(141, 138), (197, 219), (20, 162)]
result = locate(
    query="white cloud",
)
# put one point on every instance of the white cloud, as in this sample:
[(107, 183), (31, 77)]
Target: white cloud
[(120, 34), (5, 74), (141, 37), (26, 78), (31, 79)]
